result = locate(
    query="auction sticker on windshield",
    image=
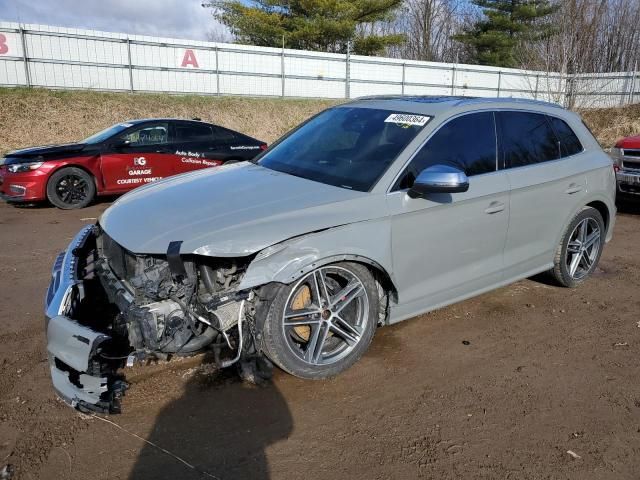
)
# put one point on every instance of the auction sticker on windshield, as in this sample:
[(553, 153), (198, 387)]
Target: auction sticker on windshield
[(408, 119)]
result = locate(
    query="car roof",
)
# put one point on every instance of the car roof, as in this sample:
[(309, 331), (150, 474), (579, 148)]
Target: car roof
[(162, 119), (433, 105)]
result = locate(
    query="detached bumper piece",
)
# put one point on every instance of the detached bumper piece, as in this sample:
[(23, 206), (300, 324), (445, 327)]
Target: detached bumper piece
[(80, 377), (83, 372)]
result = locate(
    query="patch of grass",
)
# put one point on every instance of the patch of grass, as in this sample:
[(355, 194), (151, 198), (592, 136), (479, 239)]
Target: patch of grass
[(31, 117), (611, 124), (39, 116)]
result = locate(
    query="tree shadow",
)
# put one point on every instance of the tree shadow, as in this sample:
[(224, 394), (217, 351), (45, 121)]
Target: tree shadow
[(221, 426)]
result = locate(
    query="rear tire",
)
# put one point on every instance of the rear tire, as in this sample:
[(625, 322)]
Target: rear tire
[(70, 188), (332, 330), (579, 251)]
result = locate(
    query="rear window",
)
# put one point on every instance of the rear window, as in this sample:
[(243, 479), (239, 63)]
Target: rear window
[(569, 143), (526, 139), (191, 132)]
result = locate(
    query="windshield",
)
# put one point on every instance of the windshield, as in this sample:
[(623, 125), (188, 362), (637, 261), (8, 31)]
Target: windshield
[(346, 147), (106, 133)]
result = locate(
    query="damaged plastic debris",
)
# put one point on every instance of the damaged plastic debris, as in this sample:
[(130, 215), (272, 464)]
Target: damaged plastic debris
[(256, 369), (574, 455), (111, 404)]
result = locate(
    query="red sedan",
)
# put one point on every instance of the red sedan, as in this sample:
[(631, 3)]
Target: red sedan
[(119, 159)]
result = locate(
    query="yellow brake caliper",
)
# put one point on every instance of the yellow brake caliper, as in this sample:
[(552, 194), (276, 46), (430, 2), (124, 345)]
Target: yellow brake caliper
[(301, 301)]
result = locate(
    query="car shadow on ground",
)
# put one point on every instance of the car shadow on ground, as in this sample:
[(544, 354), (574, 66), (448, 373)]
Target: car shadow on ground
[(44, 204), (628, 206), (221, 426)]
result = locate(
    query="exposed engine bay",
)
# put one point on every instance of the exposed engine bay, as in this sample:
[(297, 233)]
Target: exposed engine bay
[(136, 308)]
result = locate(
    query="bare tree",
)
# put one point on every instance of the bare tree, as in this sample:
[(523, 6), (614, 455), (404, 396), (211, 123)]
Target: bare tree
[(590, 36), (429, 26)]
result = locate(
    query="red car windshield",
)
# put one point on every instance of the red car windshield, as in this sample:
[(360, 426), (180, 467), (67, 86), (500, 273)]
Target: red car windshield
[(106, 133)]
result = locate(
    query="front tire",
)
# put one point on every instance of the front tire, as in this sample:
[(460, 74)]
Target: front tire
[(579, 251), (320, 325), (70, 188)]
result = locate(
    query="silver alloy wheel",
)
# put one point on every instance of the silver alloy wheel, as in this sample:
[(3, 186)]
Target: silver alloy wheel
[(583, 248), (329, 322)]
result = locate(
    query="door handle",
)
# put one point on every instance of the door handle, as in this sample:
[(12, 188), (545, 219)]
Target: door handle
[(573, 188), (494, 207)]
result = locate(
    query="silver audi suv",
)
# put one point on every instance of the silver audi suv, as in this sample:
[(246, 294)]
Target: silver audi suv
[(369, 213)]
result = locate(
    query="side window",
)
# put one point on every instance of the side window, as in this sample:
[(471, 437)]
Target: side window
[(467, 143), (222, 134), (526, 139), (193, 132), (569, 143), (155, 134)]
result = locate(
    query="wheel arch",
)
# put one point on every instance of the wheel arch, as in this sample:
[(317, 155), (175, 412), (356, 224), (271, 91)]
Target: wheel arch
[(366, 243), (73, 165), (602, 205), (604, 211)]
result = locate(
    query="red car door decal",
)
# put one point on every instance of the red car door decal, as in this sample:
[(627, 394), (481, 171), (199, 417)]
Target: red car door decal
[(146, 157), (124, 171)]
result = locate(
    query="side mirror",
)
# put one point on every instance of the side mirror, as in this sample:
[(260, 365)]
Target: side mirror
[(119, 143), (439, 179)]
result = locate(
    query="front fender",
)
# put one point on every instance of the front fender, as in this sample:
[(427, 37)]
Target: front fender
[(366, 242)]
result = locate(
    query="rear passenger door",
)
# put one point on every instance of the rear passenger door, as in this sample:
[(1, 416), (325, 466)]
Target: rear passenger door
[(541, 156), (202, 145), (195, 147), (448, 246)]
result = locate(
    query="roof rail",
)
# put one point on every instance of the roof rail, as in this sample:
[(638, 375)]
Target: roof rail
[(458, 100), (529, 101)]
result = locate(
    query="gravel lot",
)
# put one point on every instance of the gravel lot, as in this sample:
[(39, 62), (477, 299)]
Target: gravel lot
[(545, 371)]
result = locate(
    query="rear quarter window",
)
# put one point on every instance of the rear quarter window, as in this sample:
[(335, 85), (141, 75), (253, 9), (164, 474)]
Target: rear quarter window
[(569, 142), (193, 132)]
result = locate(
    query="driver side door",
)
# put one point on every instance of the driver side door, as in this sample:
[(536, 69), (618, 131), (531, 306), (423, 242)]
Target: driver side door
[(140, 155), (449, 246)]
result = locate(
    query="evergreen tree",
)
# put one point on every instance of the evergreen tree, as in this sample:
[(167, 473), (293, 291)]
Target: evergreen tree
[(507, 24), (324, 25)]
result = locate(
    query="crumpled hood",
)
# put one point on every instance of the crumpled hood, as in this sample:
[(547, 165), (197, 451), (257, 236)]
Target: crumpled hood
[(234, 210)]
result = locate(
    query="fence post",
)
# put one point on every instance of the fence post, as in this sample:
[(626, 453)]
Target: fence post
[(217, 71), (347, 78), (25, 58), (569, 92), (453, 80), (130, 64), (633, 83), (535, 94), (282, 66), (404, 76), (499, 81)]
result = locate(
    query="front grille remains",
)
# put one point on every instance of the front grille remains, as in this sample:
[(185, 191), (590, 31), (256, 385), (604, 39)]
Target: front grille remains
[(631, 159)]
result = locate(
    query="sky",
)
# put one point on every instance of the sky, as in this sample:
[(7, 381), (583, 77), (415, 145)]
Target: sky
[(161, 18)]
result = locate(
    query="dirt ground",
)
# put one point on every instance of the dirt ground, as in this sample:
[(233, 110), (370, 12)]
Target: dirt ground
[(501, 386)]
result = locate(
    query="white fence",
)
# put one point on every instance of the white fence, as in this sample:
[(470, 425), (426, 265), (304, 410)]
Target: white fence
[(54, 57)]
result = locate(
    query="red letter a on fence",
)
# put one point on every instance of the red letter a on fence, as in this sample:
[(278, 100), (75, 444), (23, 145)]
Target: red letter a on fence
[(189, 59)]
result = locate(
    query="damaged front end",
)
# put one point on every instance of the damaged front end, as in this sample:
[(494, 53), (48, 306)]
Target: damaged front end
[(107, 308)]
